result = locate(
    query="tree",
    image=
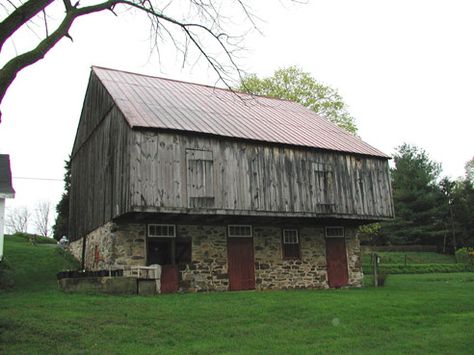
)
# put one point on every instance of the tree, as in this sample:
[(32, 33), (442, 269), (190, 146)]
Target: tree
[(61, 226), (469, 169), (41, 217), (420, 206), (17, 220), (197, 26), (294, 84)]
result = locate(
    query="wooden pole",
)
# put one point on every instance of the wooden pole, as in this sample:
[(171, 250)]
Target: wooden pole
[(374, 267)]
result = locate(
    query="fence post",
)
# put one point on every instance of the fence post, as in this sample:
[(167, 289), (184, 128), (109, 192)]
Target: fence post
[(374, 267)]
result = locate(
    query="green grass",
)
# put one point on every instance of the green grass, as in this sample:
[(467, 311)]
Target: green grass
[(35, 266), (432, 313)]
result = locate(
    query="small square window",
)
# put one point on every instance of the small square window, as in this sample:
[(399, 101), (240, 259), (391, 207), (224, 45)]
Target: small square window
[(162, 230), (291, 245)]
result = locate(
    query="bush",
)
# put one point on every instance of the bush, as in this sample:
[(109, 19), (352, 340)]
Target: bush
[(465, 255), (6, 275)]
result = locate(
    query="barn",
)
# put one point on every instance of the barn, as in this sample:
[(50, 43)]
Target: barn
[(225, 191)]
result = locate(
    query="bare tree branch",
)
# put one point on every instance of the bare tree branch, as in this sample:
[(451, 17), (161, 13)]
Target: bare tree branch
[(17, 220), (19, 17), (209, 25)]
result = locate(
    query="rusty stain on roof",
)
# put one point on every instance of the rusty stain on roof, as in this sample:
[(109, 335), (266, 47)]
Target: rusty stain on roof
[(154, 102)]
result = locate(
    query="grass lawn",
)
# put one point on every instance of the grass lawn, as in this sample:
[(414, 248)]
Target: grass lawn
[(429, 313)]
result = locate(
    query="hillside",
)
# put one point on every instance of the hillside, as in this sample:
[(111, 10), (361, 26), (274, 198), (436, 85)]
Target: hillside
[(34, 267)]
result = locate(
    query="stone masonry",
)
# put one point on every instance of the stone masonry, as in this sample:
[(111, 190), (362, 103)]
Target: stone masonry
[(113, 246), (121, 245)]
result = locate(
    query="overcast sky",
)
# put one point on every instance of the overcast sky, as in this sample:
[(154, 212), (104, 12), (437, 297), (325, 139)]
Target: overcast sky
[(405, 68)]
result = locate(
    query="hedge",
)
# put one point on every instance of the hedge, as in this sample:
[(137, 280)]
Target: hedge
[(420, 268)]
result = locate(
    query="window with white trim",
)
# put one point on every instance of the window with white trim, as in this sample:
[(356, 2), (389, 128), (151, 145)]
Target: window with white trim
[(239, 230), (162, 230), (334, 232), (291, 244)]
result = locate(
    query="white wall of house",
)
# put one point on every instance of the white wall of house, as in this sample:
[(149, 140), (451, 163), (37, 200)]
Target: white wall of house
[(2, 224)]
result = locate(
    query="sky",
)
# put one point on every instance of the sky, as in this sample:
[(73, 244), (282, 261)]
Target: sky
[(405, 69)]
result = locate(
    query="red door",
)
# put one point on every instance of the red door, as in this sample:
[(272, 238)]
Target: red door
[(241, 263), (336, 262), (169, 278)]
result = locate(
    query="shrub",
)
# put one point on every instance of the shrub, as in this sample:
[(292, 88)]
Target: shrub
[(465, 255)]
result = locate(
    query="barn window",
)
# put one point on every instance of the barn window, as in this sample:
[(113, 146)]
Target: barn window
[(291, 245), (200, 178), (240, 230), (162, 230), (334, 232), (323, 185)]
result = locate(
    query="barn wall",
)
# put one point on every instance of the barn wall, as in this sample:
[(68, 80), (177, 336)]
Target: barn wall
[(254, 179), (100, 170)]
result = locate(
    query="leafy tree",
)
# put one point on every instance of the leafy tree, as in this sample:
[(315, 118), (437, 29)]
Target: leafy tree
[(294, 84), (469, 168), (61, 226), (420, 206), (190, 25)]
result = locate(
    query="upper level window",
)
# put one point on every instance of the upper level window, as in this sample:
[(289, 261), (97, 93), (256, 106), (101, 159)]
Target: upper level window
[(240, 230), (334, 232), (291, 245), (323, 182), (200, 178), (162, 230)]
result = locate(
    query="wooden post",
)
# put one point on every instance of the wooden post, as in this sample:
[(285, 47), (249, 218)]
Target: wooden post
[(375, 271)]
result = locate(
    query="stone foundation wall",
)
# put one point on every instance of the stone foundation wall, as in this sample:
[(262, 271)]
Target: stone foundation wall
[(208, 270), (273, 272), (122, 245), (354, 261), (113, 245)]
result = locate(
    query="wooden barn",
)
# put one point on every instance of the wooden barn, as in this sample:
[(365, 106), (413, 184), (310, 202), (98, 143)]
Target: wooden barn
[(224, 191)]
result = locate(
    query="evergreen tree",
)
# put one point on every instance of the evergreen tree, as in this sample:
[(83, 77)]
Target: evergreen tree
[(61, 226), (420, 206)]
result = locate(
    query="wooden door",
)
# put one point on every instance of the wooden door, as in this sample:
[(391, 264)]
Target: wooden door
[(336, 262), (241, 263), (169, 278)]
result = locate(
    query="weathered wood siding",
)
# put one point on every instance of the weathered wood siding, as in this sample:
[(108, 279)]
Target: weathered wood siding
[(100, 167), (118, 170), (171, 173)]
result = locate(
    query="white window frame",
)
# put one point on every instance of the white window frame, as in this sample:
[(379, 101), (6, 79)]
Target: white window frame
[(342, 235), (230, 235), (290, 230), (161, 225)]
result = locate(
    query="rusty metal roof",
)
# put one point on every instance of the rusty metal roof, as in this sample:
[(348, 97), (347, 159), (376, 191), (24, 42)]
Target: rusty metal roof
[(154, 102)]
